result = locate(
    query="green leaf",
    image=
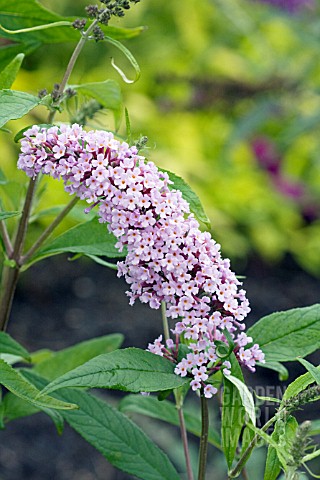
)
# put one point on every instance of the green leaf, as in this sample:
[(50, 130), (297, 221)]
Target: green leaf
[(246, 397), (167, 412), (233, 413), (9, 52), (189, 195), (129, 57), (119, 440), (9, 345), (269, 441), (314, 371), (90, 238), (298, 385), (273, 465), (15, 407), (120, 33), (14, 104), (69, 358), (8, 75), (107, 93), (17, 384), (5, 215), (130, 370), (19, 14), (277, 367), (283, 336), (282, 435)]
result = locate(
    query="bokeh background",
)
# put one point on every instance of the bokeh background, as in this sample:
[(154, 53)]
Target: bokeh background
[(229, 99)]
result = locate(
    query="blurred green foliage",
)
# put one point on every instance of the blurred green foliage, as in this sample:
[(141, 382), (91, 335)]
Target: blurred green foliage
[(229, 99)]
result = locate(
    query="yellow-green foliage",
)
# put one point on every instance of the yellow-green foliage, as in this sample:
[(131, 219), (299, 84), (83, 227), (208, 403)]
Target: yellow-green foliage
[(215, 75)]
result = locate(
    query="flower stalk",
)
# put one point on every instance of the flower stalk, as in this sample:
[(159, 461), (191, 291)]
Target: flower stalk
[(203, 451), (179, 402), (47, 232)]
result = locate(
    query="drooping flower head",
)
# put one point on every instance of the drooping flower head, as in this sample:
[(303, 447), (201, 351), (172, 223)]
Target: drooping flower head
[(168, 258)]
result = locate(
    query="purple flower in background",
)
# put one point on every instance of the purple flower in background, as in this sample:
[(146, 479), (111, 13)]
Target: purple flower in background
[(291, 6), (270, 160), (266, 155), (169, 259)]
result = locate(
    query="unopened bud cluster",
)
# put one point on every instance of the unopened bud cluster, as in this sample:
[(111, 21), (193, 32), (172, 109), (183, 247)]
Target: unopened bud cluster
[(309, 395), (169, 259)]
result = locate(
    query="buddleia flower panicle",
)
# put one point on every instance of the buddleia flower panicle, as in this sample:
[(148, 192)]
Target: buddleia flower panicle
[(169, 259)]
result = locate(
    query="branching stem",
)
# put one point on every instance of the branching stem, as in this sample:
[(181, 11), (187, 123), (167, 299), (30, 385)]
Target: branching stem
[(6, 239), (71, 64), (47, 232), (10, 273)]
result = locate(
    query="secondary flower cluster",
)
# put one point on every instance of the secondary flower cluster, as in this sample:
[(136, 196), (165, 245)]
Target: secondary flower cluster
[(169, 259)]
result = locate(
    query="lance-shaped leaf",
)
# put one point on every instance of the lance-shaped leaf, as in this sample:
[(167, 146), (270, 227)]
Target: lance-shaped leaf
[(167, 412), (298, 385), (130, 370), (5, 215), (69, 358), (15, 407), (120, 33), (90, 238), (314, 371), (9, 73), (190, 196), (119, 440), (283, 434), (246, 397), (233, 413), (285, 335), (9, 345), (17, 384), (19, 14), (14, 104), (9, 52)]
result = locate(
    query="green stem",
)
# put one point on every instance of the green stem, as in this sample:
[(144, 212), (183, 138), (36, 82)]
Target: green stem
[(235, 472), (47, 232), (184, 439), (179, 401), (165, 321), (71, 64), (204, 438), (10, 274), (6, 239)]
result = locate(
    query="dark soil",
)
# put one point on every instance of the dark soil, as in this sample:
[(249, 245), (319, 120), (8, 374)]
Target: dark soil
[(60, 303)]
